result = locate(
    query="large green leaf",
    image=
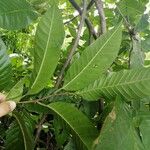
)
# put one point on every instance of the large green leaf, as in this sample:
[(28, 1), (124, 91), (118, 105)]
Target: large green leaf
[(48, 40), (18, 136), (5, 67), (130, 84), (16, 14), (118, 131), (82, 130), (94, 60)]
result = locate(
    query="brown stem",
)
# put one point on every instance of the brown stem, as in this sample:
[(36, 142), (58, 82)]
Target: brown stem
[(103, 29), (67, 22), (44, 98), (39, 128), (60, 77), (88, 8), (90, 4), (99, 6), (87, 21)]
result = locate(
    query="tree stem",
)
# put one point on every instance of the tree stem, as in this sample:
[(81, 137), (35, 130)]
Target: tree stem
[(99, 6), (60, 77)]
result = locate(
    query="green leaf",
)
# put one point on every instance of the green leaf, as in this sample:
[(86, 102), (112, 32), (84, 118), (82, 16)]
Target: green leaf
[(16, 14), (146, 44), (130, 84), (5, 67), (137, 56), (60, 137), (131, 8), (145, 129), (94, 60), (36, 108), (82, 130), (18, 136), (48, 40), (143, 23), (70, 145), (118, 131), (16, 92)]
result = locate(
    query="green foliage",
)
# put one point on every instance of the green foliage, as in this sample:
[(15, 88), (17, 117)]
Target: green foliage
[(48, 41), (16, 14), (5, 67), (18, 135), (137, 56), (132, 9), (143, 23), (144, 128), (76, 123), (120, 83), (102, 100), (16, 92), (94, 60), (118, 130)]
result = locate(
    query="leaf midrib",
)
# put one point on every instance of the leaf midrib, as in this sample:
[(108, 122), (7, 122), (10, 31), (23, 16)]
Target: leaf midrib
[(53, 109), (92, 58), (117, 85), (49, 35), (15, 11), (23, 134)]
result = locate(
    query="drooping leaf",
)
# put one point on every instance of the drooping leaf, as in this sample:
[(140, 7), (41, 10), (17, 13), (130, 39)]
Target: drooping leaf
[(94, 60), (76, 123), (16, 14), (137, 56), (16, 92), (48, 40), (130, 84), (118, 131), (18, 135), (5, 67)]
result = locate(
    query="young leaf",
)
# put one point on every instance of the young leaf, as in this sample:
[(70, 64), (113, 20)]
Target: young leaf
[(118, 131), (130, 84), (82, 130), (16, 92), (16, 14), (5, 67), (48, 40), (18, 135), (94, 60)]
